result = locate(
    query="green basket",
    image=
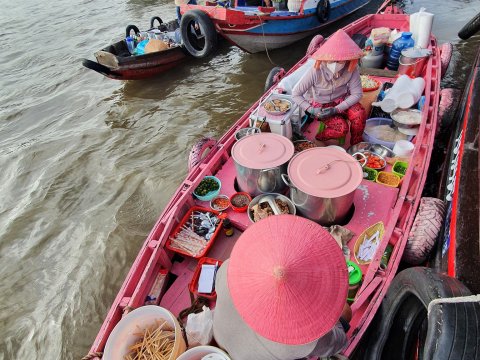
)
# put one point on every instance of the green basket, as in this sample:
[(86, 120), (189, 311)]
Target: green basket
[(400, 168), (371, 173)]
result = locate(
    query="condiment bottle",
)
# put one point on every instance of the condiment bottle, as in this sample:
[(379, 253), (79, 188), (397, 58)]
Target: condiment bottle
[(227, 227)]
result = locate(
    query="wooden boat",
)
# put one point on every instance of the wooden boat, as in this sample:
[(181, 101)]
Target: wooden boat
[(257, 28), (116, 62), (374, 203)]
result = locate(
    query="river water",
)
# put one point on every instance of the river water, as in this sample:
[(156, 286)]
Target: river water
[(88, 163)]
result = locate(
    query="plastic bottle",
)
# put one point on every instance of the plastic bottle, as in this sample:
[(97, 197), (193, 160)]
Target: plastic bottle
[(227, 227), (130, 44), (404, 42)]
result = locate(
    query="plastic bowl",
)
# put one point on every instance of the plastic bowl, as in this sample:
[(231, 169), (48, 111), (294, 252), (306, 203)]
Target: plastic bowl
[(126, 332), (382, 175), (372, 139), (371, 173), (400, 168), (291, 207), (243, 208), (220, 208), (198, 352), (209, 196)]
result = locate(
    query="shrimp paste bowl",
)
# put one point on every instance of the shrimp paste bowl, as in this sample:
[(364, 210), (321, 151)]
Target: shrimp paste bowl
[(128, 332), (270, 197)]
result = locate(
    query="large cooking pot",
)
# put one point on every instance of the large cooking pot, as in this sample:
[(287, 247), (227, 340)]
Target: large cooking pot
[(260, 161), (322, 183), (412, 61)]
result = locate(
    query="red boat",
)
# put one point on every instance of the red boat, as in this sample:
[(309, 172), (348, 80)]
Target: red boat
[(386, 211)]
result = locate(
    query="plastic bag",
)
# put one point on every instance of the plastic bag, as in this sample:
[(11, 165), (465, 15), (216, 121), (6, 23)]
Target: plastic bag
[(140, 49), (199, 328)]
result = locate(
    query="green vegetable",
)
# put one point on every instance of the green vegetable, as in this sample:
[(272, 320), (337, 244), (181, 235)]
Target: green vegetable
[(206, 185)]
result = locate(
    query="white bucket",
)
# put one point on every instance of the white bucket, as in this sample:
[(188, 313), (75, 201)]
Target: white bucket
[(199, 352)]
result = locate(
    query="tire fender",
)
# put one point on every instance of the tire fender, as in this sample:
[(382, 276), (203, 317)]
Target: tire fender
[(274, 77), (189, 34), (152, 22), (197, 154), (470, 28), (425, 230), (453, 329), (130, 28), (323, 11), (315, 43), (446, 51), (449, 100)]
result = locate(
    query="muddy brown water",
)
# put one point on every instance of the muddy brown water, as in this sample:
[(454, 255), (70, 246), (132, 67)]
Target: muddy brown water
[(88, 163)]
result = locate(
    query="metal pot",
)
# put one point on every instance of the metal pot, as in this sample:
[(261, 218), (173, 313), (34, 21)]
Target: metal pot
[(412, 61), (260, 161), (322, 184)]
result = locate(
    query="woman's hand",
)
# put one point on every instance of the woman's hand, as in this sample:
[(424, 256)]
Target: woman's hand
[(327, 112)]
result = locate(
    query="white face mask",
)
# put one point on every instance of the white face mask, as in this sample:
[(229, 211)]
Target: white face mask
[(335, 67)]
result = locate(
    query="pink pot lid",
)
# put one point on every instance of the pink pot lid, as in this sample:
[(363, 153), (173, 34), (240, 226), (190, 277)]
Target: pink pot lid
[(262, 151), (325, 172)]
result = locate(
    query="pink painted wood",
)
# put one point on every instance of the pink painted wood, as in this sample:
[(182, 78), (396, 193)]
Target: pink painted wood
[(396, 208)]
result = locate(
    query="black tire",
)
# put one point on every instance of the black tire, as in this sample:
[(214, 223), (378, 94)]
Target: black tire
[(130, 28), (152, 22), (198, 42), (470, 28), (271, 77), (323, 11), (360, 40), (451, 330)]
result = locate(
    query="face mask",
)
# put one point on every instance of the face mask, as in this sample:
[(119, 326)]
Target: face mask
[(335, 67)]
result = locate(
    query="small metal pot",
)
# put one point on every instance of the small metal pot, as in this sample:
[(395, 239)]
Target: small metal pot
[(256, 182)]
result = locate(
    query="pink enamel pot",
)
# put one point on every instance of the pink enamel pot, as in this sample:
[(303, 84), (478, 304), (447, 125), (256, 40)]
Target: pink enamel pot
[(322, 184)]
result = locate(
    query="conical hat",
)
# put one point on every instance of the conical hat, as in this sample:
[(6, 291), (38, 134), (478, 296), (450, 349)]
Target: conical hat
[(288, 279), (338, 47)]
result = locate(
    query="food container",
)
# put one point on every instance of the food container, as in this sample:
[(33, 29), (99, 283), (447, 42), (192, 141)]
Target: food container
[(193, 285), (260, 160), (372, 61), (128, 332), (215, 206), (354, 280), (374, 148), (210, 195), (412, 61), (322, 183), (204, 352), (403, 148), (380, 131), (400, 168), (370, 174), (246, 132), (407, 121), (270, 199), (301, 145), (235, 198), (388, 179)]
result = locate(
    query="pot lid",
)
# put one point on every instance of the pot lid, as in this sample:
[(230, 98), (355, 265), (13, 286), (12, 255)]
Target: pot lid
[(414, 53), (262, 151), (325, 172)]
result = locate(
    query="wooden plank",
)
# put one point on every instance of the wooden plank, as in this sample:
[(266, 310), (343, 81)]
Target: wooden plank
[(378, 72)]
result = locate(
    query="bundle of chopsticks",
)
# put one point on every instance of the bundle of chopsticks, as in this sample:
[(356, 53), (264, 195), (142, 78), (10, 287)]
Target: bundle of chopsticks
[(156, 343)]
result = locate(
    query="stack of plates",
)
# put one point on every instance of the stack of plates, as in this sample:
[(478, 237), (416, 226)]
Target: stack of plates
[(407, 121)]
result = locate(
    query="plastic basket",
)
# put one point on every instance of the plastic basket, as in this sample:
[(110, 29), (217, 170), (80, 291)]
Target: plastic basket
[(184, 220), (193, 286)]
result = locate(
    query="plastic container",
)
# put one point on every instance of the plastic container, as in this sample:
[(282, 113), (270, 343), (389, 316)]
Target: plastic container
[(130, 44), (404, 42), (354, 280), (209, 196), (126, 332), (202, 352), (241, 208), (372, 139), (193, 285), (400, 168), (403, 148), (383, 176), (184, 220), (371, 173)]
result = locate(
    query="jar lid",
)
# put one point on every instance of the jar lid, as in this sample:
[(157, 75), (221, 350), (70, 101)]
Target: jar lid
[(325, 172), (262, 151), (415, 53), (354, 273)]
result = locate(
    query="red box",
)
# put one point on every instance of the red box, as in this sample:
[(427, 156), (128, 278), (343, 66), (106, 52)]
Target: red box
[(184, 220), (193, 286)]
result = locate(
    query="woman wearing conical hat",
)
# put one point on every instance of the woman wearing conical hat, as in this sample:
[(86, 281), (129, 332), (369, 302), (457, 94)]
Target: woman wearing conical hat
[(337, 90), (282, 294)]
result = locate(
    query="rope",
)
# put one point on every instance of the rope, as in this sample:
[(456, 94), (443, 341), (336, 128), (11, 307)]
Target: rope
[(264, 41), (453, 300), (92, 356)]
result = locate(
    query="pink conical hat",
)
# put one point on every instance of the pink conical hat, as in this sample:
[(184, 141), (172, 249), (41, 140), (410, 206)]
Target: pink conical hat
[(338, 47), (288, 279)]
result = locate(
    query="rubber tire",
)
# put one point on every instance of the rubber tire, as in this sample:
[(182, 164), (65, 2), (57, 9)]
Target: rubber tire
[(453, 329), (130, 28), (470, 28), (209, 31), (271, 77), (425, 230), (152, 21), (360, 40), (322, 13)]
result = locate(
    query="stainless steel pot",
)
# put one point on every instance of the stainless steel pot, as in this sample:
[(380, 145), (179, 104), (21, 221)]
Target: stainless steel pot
[(326, 211), (257, 182), (322, 184)]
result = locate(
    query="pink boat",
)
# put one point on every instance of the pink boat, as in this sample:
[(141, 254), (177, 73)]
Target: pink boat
[(393, 207)]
